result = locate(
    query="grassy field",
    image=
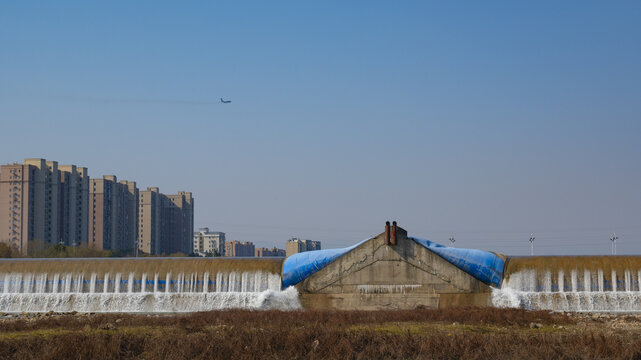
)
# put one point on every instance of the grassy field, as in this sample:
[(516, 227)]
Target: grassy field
[(471, 333)]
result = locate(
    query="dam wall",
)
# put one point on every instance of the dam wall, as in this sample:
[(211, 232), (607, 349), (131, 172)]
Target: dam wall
[(142, 284), (389, 271), (572, 283)]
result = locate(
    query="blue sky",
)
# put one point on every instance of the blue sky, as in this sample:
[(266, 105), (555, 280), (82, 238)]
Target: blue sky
[(486, 120)]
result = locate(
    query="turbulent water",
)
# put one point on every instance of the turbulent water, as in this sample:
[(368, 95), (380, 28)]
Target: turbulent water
[(130, 292), (574, 290)]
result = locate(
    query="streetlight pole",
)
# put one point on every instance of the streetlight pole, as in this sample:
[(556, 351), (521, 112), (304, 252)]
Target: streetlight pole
[(452, 240), (614, 238), (532, 244)]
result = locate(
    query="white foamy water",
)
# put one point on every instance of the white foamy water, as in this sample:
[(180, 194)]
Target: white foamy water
[(582, 290), (179, 292)]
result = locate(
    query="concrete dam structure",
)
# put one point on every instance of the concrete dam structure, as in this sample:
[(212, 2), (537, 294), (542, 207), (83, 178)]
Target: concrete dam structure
[(388, 271), (394, 271)]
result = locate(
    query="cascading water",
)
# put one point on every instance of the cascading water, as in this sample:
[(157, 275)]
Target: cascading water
[(572, 284), (128, 293), (174, 286)]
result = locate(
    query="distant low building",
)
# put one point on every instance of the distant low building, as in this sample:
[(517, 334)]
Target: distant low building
[(236, 248), (265, 252), (296, 245), (209, 243)]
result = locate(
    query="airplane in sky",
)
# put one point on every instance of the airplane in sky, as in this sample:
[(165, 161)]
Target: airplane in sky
[(224, 102)]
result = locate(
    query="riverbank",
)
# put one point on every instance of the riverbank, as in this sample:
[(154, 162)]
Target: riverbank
[(418, 334)]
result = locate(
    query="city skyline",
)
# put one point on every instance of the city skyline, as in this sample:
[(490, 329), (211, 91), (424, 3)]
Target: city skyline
[(518, 239), (77, 196), (486, 121), (43, 204)]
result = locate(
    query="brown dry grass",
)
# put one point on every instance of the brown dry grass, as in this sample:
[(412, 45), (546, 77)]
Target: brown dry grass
[(470, 333)]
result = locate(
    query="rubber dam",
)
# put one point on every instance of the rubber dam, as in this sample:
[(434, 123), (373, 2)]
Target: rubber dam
[(389, 271)]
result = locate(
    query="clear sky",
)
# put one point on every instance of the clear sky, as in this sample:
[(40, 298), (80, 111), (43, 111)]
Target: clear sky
[(485, 120)]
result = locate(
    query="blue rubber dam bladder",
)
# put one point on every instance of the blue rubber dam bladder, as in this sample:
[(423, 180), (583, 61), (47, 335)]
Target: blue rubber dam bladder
[(298, 267), (485, 266)]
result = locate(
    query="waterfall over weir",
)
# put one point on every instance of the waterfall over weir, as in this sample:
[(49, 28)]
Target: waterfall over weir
[(142, 285), (581, 283)]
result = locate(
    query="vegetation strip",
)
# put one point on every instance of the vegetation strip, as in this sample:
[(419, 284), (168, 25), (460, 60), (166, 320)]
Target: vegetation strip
[(418, 334)]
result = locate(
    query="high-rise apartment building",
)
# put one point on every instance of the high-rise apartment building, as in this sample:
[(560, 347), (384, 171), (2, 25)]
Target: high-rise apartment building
[(149, 218), (17, 205), (42, 205), (165, 222), (296, 245), (101, 205), (113, 214), (47, 190), (236, 248), (206, 242), (130, 195), (73, 213), (177, 223)]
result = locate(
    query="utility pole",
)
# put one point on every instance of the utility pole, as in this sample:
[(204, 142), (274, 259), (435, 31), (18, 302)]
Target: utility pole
[(614, 238), (532, 244), (452, 240)]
